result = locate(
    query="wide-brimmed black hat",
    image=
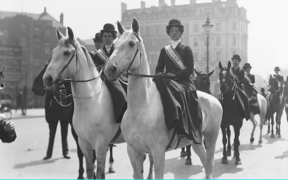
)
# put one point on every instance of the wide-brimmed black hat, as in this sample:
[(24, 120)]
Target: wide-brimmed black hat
[(236, 56), (277, 68), (174, 22), (97, 38), (108, 28), (247, 65)]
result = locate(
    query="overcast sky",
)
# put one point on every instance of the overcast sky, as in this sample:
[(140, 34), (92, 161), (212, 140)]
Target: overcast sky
[(268, 30)]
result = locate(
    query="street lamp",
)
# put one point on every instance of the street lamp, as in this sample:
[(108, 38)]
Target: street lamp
[(207, 27)]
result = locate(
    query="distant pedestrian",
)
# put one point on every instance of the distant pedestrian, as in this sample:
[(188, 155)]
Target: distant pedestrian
[(19, 100)]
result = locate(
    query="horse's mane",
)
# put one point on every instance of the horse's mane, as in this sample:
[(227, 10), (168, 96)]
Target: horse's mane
[(66, 41)]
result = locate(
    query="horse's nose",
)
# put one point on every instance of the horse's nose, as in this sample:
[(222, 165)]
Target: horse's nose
[(48, 81), (113, 68)]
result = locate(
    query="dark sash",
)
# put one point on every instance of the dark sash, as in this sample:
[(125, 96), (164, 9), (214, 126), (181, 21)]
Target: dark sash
[(104, 57)]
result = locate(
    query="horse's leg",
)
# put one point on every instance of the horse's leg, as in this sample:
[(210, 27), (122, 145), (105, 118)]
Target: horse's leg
[(183, 153), (262, 120), (224, 141), (200, 151), (150, 175), (237, 128), (88, 153), (136, 160), (229, 144), (252, 119), (158, 155), (278, 122), (188, 160), (79, 154), (101, 152), (111, 159), (272, 125), (211, 140), (268, 117)]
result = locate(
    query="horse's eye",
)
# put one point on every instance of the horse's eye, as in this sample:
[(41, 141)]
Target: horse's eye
[(131, 44), (67, 53)]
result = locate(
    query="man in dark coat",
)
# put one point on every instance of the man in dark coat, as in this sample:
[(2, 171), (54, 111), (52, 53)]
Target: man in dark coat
[(277, 75), (250, 90), (55, 113), (238, 75), (100, 57), (178, 92)]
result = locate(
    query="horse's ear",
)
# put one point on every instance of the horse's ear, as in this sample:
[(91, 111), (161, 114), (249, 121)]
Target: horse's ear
[(135, 25), (59, 34), (220, 65), (70, 33), (229, 65), (211, 73), (198, 74), (121, 29)]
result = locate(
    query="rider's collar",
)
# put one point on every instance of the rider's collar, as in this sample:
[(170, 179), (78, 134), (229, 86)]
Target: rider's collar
[(175, 43)]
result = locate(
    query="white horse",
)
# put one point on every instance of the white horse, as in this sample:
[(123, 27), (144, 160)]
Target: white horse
[(93, 118), (143, 125)]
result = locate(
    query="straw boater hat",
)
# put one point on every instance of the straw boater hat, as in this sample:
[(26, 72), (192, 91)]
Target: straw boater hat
[(97, 38), (236, 56), (247, 65)]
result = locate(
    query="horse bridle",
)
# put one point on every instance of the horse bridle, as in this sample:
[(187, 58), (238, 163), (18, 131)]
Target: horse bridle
[(229, 85), (139, 75), (56, 83)]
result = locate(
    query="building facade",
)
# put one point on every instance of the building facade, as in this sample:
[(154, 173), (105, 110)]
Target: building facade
[(228, 36), (35, 35)]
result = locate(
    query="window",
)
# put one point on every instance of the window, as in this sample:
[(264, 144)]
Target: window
[(23, 42), (234, 41), (218, 56), (152, 30), (37, 30), (218, 27), (151, 59), (162, 30), (218, 41), (195, 56), (47, 48), (234, 26), (143, 31), (36, 63), (23, 28), (196, 28), (195, 42), (47, 33)]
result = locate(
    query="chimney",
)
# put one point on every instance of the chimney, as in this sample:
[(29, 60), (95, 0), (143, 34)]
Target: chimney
[(123, 7), (45, 10), (142, 5), (172, 3), (192, 2), (161, 4), (62, 18)]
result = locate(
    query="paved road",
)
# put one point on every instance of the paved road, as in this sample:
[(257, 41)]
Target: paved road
[(23, 158)]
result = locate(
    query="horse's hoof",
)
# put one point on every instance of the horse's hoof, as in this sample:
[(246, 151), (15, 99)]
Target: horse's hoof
[(238, 161), (94, 176), (80, 177), (268, 132), (224, 161), (188, 162), (251, 140), (279, 135), (111, 170), (272, 136), (260, 141), (183, 154), (229, 153)]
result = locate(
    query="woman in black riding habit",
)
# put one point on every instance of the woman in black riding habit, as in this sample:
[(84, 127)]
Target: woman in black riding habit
[(178, 92)]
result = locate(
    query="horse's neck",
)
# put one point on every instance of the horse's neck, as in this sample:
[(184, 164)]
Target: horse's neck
[(82, 90), (139, 88)]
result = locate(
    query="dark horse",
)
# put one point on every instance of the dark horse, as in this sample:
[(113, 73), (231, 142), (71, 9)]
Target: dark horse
[(38, 89), (286, 97), (231, 114), (202, 83), (276, 103)]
